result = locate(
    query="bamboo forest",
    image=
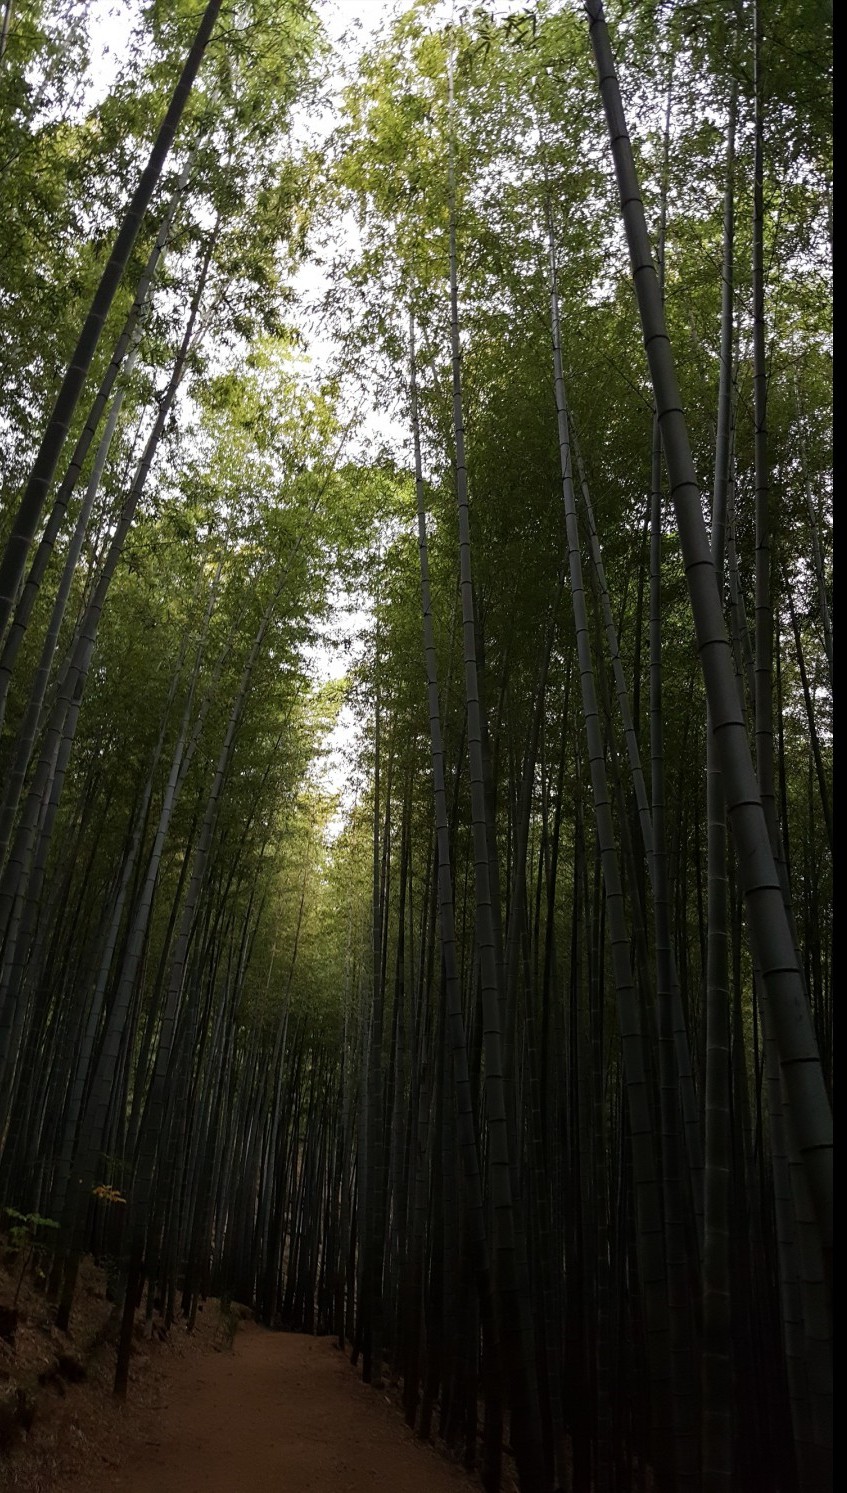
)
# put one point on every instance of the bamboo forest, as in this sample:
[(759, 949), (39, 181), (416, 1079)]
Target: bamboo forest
[(416, 648)]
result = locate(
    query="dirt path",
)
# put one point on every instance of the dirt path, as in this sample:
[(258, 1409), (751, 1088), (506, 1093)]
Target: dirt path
[(281, 1414)]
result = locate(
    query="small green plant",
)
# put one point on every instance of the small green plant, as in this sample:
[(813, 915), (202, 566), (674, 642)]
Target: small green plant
[(24, 1232)]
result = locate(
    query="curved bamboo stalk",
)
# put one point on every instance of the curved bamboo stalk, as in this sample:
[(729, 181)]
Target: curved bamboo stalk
[(44, 467), (62, 721), (123, 359)]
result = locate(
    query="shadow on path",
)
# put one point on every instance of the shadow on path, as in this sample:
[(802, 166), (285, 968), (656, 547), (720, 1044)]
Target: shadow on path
[(282, 1414)]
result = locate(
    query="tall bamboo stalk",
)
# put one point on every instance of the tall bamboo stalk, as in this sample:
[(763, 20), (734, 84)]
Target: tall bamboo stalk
[(770, 931), (38, 484)]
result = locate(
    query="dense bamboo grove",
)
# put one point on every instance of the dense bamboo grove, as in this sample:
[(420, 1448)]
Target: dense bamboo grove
[(508, 1061)]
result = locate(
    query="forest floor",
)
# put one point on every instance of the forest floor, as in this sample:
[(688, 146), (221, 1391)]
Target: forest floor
[(281, 1413), (232, 1408)]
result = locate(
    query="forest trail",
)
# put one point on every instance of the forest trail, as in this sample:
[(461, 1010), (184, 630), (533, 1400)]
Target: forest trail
[(283, 1413)]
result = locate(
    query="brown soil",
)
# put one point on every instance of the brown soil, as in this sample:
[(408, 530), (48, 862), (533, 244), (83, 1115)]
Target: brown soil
[(279, 1414), (257, 1412), (34, 1342), (230, 1408), (77, 1435)]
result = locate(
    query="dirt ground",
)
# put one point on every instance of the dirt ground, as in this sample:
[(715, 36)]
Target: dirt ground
[(279, 1414), (265, 1412), (229, 1408), (76, 1434)]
